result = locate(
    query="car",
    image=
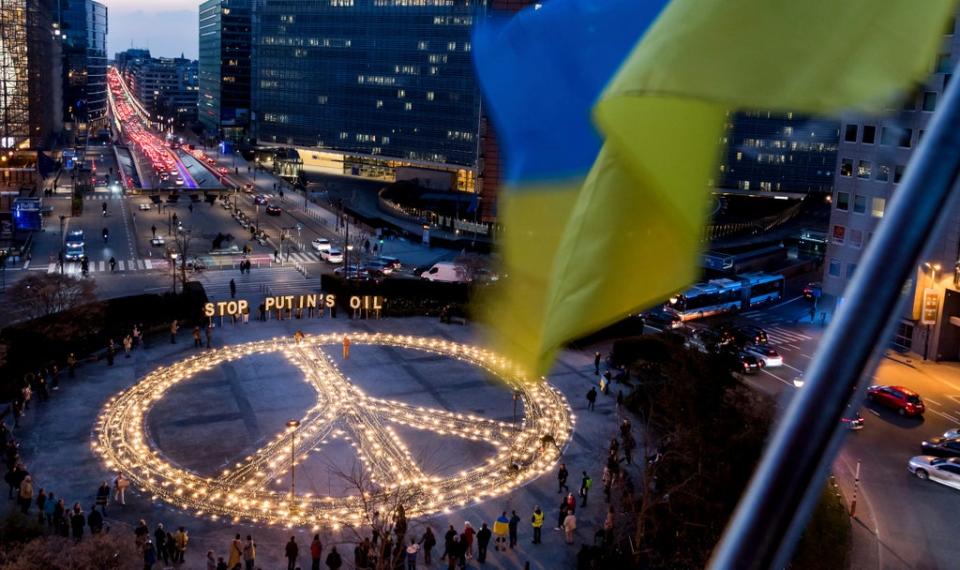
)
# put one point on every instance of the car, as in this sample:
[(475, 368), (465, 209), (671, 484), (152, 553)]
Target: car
[(905, 401), (74, 253), (747, 335), (352, 273), (853, 422), (941, 447), (770, 357), (321, 244), (952, 433), (945, 471), (222, 170), (392, 262), (274, 210), (750, 363), (144, 206), (662, 318), (74, 238), (178, 181), (157, 241), (446, 272), (332, 255), (260, 199), (704, 340), (378, 266), (248, 188)]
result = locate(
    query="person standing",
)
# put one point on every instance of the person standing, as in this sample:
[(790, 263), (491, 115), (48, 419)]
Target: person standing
[(209, 333), (608, 526), (564, 511), (77, 522), (500, 527), (316, 552), (49, 508), (468, 534), (71, 366), (236, 552), (110, 352), (249, 553), (334, 562), (103, 492), (127, 345), (483, 541), (346, 347), (585, 485), (562, 475), (448, 543), (211, 561), (596, 364), (570, 525), (95, 521), (26, 494), (591, 398), (154, 230), (173, 331), (41, 503), (513, 527), (120, 485), (180, 540), (233, 289), (160, 541), (537, 524), (291, 552), (411, 556), (196, 338), (149, 555), (428, 540)]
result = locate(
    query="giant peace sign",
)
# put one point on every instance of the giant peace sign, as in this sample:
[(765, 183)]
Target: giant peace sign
[(523, 452)]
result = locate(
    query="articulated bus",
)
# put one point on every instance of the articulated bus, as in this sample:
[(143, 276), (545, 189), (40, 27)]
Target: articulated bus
[(727, 295)]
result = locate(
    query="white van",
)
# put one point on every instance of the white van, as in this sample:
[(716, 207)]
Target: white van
[(446, 272)]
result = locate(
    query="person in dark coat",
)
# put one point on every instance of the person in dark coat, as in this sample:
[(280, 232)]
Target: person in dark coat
[(483, 540), (160, 542), (95, 521), (334, 562), (77, 522), (103, 493), (291, 552)]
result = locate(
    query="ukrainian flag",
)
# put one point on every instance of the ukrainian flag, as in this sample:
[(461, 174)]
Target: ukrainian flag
[(610, 113)]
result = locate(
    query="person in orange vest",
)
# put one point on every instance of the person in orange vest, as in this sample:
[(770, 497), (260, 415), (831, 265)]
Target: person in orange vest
[(346, 347)]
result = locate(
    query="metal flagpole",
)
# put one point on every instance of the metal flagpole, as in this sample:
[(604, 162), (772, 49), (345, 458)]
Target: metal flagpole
[(787, 482)]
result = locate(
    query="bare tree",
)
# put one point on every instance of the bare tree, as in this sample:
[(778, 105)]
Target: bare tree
[(383, 516), (39, 295), (470, 266), (182, 242), (107, 551)]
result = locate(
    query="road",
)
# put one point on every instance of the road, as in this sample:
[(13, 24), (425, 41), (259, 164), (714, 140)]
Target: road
[(915, 520)]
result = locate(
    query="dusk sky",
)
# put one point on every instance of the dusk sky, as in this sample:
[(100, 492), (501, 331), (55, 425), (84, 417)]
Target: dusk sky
[(167, 27)]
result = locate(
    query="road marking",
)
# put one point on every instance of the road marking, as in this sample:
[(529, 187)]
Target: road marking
[(791, 346), (787, 302), (807, 356), (874, 412), (777, 377), (792, 368), (934, 402), (948, 416)]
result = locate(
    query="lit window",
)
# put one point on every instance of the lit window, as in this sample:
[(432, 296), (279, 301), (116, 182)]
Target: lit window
[(863, 169), (883, 172), (429, 95), (877, 206), (839, 233), (408, 106), (846, 167)]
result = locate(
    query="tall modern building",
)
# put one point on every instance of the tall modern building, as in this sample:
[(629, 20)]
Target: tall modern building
[(154, 79), (365, 87), (84, 29), (872, 157), (224, 69), (30, 75), (779, 152)]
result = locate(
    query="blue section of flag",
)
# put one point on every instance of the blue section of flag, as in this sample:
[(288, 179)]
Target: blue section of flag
[(543, 70)]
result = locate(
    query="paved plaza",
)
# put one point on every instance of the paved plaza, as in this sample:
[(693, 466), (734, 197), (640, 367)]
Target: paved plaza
[(222, 415)]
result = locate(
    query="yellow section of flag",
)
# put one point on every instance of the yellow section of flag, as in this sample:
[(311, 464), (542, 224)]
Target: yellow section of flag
[(633, 236)]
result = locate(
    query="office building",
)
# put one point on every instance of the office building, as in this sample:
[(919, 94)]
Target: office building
[(83, 26), (224, 69), (365, 87), (872, 157), (155, 79), (779, 152), (124, 59), (30, 76)]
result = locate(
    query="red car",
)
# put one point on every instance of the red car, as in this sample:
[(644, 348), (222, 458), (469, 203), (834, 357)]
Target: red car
[(905, 401)]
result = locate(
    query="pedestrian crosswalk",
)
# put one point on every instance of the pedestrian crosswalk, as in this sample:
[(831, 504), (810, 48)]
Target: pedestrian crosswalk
[(103, 266), (103, 197), (781, 336), (303, 257), (777, 334)]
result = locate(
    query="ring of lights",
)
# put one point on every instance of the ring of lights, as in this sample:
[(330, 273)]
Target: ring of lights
[(523, 451)]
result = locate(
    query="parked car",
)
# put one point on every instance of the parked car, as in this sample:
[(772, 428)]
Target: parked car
[(144, 206), (952, 433), (353, 274), (260, 199), (378, 266), (745, 335), (662, 318), (333, 255), (945, 471), (770, 357), (812, 290), (941, 447), (321, 244), (393, 262), (904, 400), (156, 241), (274, 210)]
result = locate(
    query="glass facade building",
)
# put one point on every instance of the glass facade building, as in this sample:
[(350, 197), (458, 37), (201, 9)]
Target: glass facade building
[(377, 80), (84, 27), (779, 152), (224, 68)]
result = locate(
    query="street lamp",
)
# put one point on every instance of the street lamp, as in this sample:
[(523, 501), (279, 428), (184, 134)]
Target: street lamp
[(173, 266), (293, 425), (62, 241), (933, 267)]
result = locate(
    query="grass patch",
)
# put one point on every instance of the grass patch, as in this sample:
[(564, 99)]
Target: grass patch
[(826, 541)]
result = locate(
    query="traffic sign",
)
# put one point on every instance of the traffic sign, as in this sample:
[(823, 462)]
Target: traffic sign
[(931, 307)]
